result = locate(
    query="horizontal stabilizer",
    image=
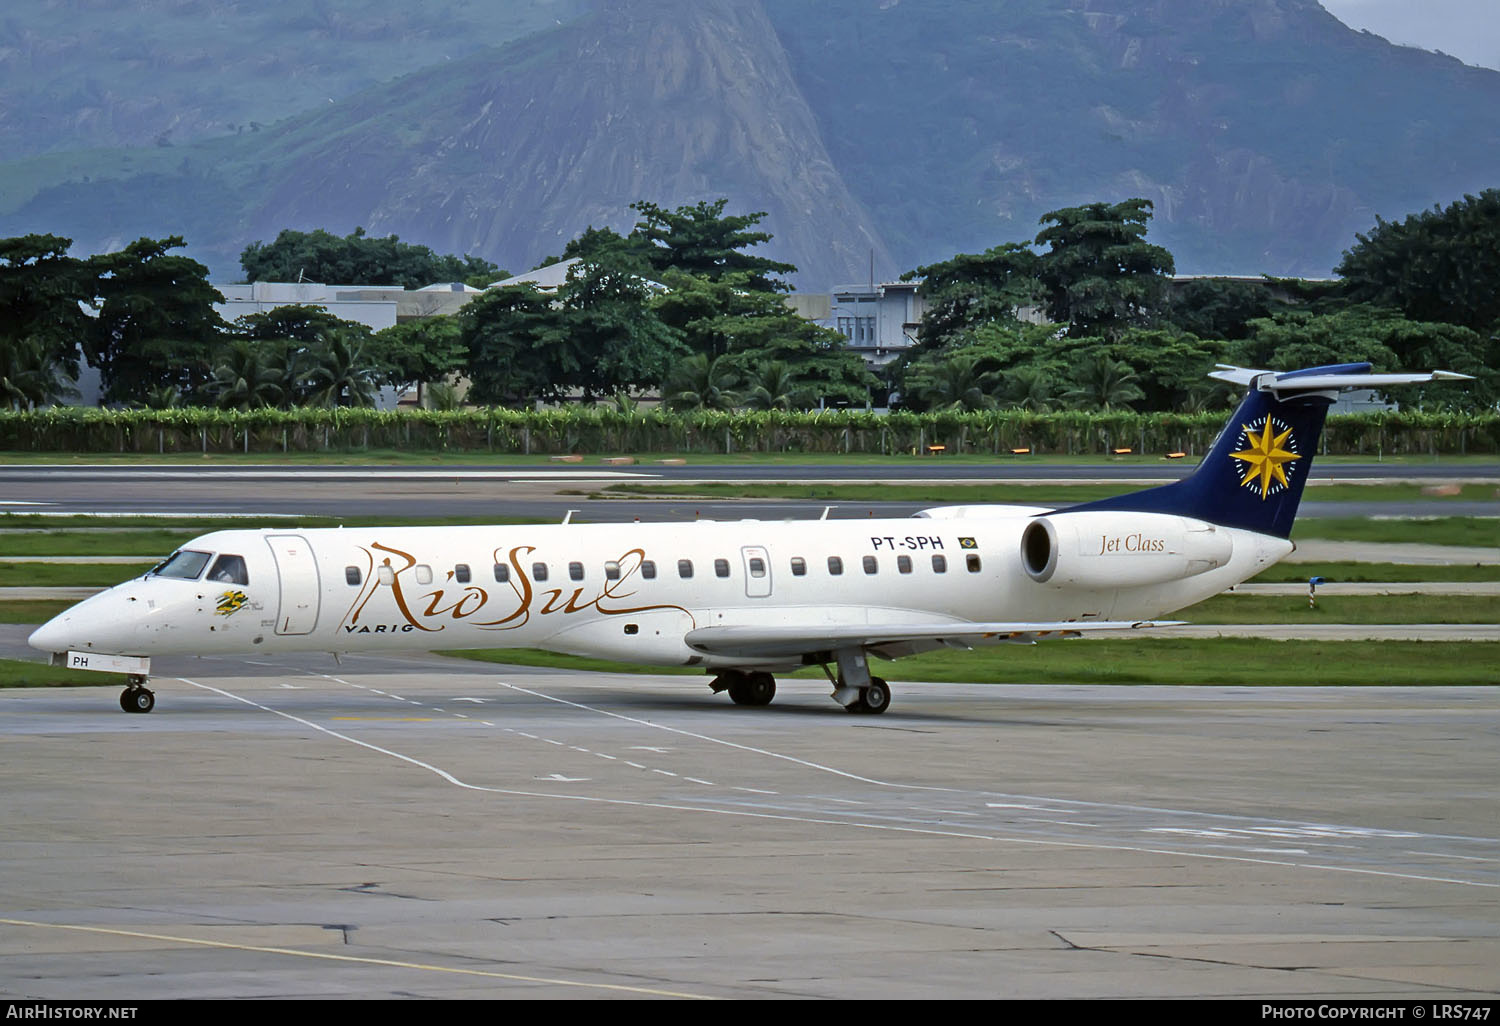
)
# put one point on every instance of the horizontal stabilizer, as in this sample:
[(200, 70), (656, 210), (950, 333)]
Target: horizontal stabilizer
[(1325, 379), (783, 642)]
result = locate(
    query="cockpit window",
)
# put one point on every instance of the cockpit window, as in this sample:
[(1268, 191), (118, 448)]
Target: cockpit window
[(229, 569), (184, 564)]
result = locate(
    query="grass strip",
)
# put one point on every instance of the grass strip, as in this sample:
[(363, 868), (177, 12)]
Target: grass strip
[(69, 575), (1352, 609), (1469, 531), (17, 673), (1379, 573)]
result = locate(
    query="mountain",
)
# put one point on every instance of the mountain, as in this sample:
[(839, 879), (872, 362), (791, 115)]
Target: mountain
[(884, 133)]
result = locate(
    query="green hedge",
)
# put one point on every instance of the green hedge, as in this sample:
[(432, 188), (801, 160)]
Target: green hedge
[(602, 431)]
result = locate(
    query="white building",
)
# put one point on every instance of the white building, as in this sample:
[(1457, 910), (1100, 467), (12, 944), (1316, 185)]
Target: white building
[(879, 320)]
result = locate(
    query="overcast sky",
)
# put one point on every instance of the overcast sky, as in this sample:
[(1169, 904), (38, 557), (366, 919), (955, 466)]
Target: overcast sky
[(1466, 29)]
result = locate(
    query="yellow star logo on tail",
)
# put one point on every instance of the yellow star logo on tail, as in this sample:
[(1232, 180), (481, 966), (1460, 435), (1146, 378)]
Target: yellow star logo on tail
[(1265, 458)]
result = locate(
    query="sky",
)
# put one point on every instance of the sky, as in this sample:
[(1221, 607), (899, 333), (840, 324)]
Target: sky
[(1466, 29)]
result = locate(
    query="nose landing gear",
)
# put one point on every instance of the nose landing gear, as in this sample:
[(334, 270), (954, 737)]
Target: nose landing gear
[(137, 698)]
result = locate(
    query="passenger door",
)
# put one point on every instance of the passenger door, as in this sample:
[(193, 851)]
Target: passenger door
[(297, 572)]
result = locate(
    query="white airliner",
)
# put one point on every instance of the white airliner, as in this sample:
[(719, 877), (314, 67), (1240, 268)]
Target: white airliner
[(745, 599)]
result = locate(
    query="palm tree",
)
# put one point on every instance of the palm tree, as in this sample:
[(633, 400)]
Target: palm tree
[(244, 379), (1104, 384), (701, 383), (955, 384), (30, 376), (1030, 388), (772, 387), (343, 376)]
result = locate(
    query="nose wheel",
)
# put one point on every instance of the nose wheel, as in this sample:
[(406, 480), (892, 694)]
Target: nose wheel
[(137, 698)]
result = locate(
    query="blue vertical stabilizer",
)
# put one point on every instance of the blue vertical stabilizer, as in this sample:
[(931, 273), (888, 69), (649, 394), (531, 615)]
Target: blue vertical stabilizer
[(1252, 477)]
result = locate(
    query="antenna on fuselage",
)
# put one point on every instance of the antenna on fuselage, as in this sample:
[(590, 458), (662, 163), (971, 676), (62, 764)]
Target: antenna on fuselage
[(826, 510), (568, 519)]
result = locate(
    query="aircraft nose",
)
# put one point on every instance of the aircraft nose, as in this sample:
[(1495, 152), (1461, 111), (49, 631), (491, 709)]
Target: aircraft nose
[(52, 636)]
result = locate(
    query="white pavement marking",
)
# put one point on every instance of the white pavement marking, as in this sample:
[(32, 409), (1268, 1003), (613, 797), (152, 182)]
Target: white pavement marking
[(1321, 834)]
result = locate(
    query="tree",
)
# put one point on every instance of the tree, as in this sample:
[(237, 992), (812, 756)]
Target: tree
[(772, 386), (1439, 265), (1385, 339), (244, 379), (358, 259), (43, 292), (1100, 383), (730, 317), (1100, 273), (343, 375), (608, 338), (156, 324), (503, 332), (310, 348), (703, 241), (30, 376), (971, 290), (953, 383), (425, 350), (597, 336), (702, 382), (1219, 308)]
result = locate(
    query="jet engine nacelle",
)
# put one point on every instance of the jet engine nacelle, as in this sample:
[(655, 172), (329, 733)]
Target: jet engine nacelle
[(1120, 550)]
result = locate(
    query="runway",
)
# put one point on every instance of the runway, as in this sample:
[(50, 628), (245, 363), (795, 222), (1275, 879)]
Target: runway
[(535, 492), (426, 827)]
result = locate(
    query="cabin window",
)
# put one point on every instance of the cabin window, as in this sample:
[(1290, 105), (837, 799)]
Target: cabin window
[(185, 565), (229, 570), (799, 566), (835, 565), (972, 559), (539, 571), (611, 571), (871, 565), (757, 567), (352, 575), (648, 569), (461, 573), (424, 573), (903, 564), (939, 563), (721, 568), (684, 568), (502, 573), (385, 575), (575, 571)]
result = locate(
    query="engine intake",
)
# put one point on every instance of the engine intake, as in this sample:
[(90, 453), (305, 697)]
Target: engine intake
[(1120, 550)]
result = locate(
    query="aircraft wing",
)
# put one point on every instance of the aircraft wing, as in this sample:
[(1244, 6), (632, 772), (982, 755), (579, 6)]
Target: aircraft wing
[(890, 639)]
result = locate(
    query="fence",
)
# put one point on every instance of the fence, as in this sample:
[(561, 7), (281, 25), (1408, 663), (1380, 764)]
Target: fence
[(606, 430)]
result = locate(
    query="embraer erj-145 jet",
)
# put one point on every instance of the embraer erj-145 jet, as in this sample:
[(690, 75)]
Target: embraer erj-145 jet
[(742, 599)]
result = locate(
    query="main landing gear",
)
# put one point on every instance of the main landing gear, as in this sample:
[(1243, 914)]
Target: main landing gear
[(746, 688), (137, 698), (853, 688)]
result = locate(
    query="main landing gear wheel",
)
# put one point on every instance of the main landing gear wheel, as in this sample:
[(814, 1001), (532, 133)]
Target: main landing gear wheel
[(137, 698), (874, 699), (749, 688)]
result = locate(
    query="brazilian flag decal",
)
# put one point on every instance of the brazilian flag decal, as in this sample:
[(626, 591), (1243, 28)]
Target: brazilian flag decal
[(968, 543)]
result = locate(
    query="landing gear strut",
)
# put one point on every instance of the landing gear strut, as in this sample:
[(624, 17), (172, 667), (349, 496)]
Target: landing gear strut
[(137, 698), (854, 688)]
